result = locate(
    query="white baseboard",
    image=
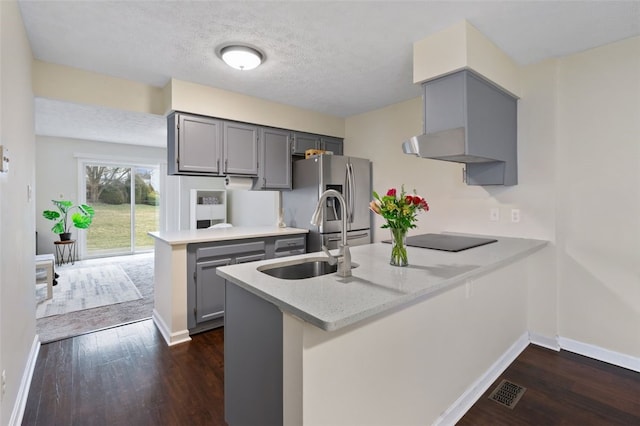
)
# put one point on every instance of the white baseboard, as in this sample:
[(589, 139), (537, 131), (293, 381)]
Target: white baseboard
[(544, 341), (170, 338), (25, 384), (601, 354), (475, 391)]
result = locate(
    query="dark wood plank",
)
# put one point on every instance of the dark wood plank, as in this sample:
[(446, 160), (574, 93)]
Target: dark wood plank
[(563, 388), (128, 375)]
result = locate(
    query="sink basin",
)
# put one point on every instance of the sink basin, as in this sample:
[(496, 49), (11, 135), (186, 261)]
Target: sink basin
[(299, 270)]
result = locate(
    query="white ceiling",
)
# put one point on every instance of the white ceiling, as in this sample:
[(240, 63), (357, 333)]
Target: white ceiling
[(339, 58)]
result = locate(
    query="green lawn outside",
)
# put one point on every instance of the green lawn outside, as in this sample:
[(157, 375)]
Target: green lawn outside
[(111, 229)]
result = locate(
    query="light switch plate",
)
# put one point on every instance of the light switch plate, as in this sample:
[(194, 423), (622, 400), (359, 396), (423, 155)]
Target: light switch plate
[(4, 156)]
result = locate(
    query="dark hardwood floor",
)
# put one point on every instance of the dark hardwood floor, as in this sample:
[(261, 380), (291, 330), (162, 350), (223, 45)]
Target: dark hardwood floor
[(563, 388), (129, 376)]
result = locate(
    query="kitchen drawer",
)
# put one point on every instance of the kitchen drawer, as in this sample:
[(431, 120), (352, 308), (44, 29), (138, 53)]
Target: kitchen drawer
[(290, 244), (286, 253), (230, 249)]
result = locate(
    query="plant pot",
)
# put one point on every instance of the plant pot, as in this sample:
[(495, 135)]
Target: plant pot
[(65, 236)]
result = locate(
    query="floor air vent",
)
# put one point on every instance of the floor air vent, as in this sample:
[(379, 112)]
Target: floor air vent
[(507, 393)]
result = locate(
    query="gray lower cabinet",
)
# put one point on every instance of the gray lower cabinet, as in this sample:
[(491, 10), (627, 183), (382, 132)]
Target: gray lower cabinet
[(274, 171), (206, 290), (253, 360)]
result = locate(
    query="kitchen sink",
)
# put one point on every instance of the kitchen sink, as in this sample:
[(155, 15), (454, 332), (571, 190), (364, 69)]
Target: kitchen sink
[(301, 269)]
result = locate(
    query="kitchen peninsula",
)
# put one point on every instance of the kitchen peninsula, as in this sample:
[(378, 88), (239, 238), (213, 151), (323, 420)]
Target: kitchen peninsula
[(170, 313), (389, 345)]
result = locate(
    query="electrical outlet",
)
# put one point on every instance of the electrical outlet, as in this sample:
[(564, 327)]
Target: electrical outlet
[(515, 215), (4, 381), (494, 214), (467, 289)]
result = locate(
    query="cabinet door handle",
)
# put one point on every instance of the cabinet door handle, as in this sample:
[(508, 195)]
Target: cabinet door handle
[(218, 165), (226, 163)]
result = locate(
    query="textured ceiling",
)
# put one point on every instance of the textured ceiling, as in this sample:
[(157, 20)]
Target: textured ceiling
[(339, 58)]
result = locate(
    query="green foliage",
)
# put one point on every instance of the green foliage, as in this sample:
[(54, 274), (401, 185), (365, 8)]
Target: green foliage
[(111, 229), (153, 198), (399, 210), (81, 219), (114, 194)]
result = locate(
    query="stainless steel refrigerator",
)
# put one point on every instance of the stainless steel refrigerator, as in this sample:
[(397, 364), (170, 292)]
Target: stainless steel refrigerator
[(311, 177)]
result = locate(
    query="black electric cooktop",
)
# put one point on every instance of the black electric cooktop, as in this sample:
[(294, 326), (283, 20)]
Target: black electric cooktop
[(446, 242)]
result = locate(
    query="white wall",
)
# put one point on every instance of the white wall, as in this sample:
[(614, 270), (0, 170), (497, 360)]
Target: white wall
[(578, 157), (252, 208), (57, 173), (178, 197), (17, 230)]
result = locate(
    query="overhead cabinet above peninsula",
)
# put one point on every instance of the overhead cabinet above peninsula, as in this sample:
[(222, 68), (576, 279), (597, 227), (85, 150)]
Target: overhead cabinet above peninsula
[(200, 145)]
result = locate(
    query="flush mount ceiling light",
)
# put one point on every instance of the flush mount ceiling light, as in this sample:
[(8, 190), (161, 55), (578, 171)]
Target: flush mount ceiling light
[(241, 57)]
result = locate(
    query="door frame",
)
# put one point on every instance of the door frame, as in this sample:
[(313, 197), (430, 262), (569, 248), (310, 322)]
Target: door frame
[(83, 160)]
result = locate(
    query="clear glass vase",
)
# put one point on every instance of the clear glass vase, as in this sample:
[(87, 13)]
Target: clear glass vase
[(399, 247)]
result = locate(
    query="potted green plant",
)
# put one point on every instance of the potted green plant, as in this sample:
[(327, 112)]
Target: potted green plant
[(81, 219)]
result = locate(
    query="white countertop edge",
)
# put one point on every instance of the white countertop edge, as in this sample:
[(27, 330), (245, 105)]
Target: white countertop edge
[(223, 234), (386, 307)]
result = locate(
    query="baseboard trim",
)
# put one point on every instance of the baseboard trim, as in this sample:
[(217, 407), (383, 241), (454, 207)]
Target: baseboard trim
[(455, 412), (170, 338), (25, 384), (544, 341), (600, 354)]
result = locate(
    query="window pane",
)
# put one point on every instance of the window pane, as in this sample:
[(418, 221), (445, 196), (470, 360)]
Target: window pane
[(147, 207), (108, 192)]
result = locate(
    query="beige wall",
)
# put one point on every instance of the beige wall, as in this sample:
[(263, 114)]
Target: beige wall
[(599, 196), (68, 84), (17, 229), (578, 157), (214, 102)]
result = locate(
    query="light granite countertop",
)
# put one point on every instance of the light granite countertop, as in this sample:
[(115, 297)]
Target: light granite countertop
[(331, 302), (223, 234)]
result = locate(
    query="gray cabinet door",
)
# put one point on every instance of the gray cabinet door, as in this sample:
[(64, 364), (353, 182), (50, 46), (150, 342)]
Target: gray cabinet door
[(275, 159), (240, 149), (199, 144), (334, 145), (209, 290), (304, 141)]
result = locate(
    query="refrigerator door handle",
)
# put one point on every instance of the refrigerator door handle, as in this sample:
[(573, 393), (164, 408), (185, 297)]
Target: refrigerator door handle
[(352, 192), (346, 210)]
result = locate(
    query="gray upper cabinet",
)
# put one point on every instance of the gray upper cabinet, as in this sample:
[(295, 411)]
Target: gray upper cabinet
[(334, 145), (240, 149), (304, 141), (211, 147), (274, 171), (194, 144)]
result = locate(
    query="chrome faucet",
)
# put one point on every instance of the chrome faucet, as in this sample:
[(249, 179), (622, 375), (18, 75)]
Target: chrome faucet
[(343, 258)]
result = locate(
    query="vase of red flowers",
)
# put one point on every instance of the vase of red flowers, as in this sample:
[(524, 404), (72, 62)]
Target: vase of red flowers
[(400, 212)]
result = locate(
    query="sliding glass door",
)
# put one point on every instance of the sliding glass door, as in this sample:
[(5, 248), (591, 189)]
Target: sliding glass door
[(126, 202)]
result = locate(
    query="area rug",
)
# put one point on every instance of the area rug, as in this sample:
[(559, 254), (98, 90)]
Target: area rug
[(139, 268), (86, 288)]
